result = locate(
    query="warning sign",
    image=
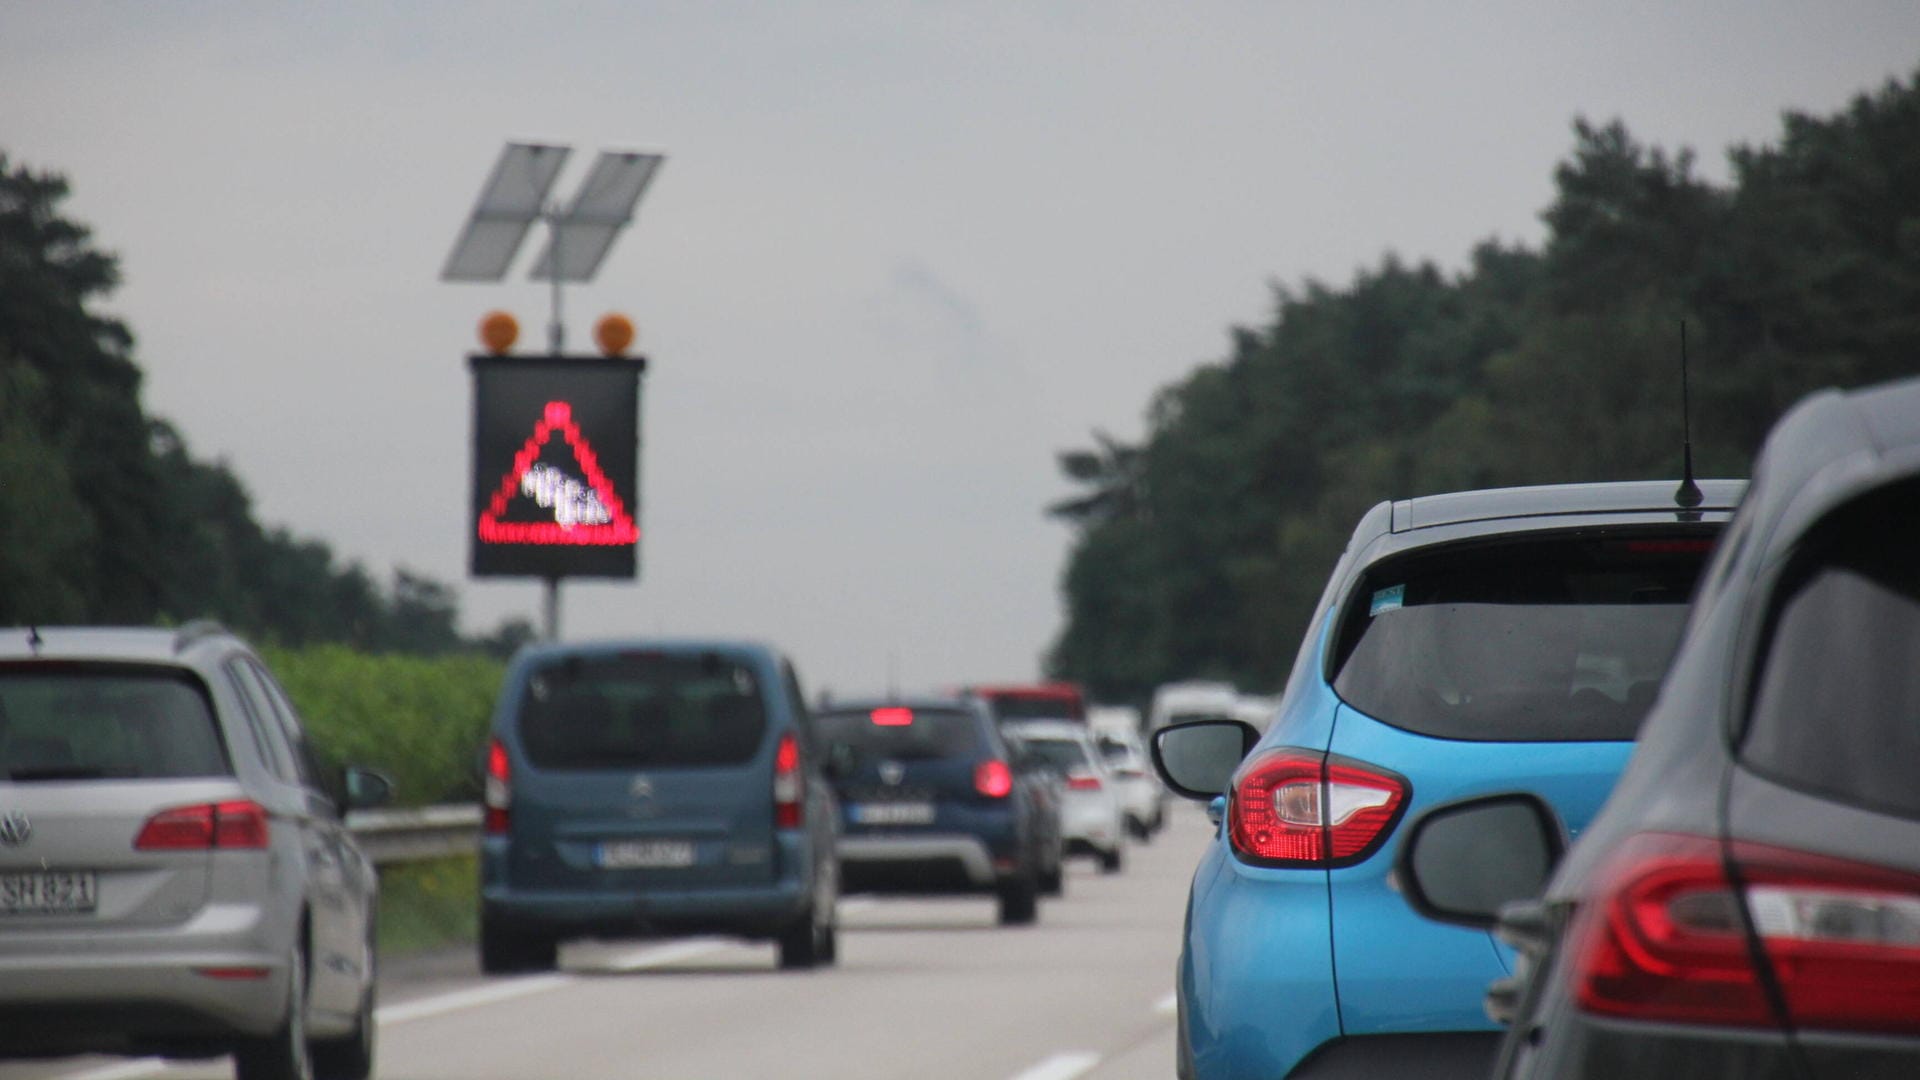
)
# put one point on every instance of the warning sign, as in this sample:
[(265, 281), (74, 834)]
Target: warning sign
[(556, 466)]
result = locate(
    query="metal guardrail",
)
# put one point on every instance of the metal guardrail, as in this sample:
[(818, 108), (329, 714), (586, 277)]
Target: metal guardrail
[(426, 832)]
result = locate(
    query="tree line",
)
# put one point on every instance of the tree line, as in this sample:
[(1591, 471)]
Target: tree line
[(107, 517), (1202, 550)]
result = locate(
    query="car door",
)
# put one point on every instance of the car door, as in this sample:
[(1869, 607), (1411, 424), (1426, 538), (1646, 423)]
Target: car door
[(332, 873)]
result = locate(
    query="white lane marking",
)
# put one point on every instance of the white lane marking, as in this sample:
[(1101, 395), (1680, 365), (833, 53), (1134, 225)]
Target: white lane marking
[(1168, 1005), (1064, 1066), (473, 997)]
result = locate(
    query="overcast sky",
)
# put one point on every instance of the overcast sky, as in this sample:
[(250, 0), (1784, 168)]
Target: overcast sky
[(899, 254)]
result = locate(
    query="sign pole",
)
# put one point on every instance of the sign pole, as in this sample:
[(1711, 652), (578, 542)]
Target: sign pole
[(550, 609)]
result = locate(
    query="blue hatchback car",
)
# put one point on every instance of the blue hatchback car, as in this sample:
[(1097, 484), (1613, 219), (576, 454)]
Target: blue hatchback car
[(648, 788), (1492, 641)]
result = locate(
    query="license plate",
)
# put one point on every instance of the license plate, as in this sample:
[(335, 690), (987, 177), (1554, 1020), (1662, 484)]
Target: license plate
[(47, 892), (645, 854), (898, 813)]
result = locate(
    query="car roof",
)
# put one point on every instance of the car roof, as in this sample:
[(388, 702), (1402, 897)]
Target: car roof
[(176, 646), (1555, 500), (1048, 729), (943, 704), (1833, 446), (675, 646)]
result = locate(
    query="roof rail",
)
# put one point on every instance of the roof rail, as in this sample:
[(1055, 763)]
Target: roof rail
[(194, 631)]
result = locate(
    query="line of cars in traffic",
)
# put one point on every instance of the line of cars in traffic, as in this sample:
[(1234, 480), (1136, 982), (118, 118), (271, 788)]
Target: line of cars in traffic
[(1424, 866), (176, 878), (656, 788)]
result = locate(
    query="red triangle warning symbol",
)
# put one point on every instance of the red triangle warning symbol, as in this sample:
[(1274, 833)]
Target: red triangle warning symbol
[(585, 513)]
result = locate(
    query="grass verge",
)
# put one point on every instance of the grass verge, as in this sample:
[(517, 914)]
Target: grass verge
[(428, 904)]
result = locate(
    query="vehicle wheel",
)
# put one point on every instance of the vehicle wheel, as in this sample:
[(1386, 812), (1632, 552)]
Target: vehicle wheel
[(1019, 901), (1136, 828), (282, 1055), (807, 944), (505, 950), (351, 1056), (1053, 881), (1111, 861)]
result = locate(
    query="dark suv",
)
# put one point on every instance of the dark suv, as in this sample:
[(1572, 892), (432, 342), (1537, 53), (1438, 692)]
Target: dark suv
[(650, 788), (936, 801)]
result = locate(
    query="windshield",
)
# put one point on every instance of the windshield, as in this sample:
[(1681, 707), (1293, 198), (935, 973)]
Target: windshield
[(642, 710), (1531, 640), (105, 723)]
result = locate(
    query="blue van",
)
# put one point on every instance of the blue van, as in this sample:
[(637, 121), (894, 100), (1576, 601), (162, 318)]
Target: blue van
[(654, 788)]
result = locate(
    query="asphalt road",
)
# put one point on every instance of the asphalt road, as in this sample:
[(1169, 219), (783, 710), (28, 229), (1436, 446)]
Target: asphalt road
[(925, 988)]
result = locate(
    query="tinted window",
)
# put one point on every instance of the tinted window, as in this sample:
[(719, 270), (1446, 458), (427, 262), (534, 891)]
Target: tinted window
[(642, 711), (1062, 754), (1837, 698), (1035, 707), (1545, 639), (907, 734), (79, 723)]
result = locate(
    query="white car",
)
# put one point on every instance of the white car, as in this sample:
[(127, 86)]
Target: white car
[(1143, 802), (1091, 819), (1176, 703)]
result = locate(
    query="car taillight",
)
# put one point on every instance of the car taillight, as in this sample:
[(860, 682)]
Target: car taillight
[(497, 795), (993, 779), (1665, 938), (239, 823), (789, 783), (1302, 808), (1083, 782)]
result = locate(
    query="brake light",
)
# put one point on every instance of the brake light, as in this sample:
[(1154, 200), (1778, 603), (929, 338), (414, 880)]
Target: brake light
[(993, 779), (1303, 808), (497, 793), (892, 717), (789, 783), (1083, 782), (236, 824), (1664, 938)]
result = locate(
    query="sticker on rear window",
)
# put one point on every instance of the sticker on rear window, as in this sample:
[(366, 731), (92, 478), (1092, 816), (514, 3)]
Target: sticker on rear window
[(1387, 599)]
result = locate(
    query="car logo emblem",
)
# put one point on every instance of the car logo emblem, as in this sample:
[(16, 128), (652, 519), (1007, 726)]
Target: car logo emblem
[(641, 788), (892, 772), (14, 828)]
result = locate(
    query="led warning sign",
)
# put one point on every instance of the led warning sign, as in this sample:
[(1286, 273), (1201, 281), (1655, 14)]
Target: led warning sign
[(555, 466)]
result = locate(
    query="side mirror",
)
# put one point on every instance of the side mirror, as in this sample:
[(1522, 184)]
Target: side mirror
[(366, 788), (1462, 862), (1197, 759)]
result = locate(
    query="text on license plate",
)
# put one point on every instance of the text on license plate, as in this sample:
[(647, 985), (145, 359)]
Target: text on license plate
[(896, 813), (44, 892), (645, 854)]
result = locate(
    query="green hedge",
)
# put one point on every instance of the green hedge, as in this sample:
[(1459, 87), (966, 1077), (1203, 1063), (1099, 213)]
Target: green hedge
[(421, 720)]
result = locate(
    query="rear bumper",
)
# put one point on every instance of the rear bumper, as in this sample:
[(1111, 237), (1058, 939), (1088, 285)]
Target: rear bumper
[(759, 911), (916, 863), (157, 1004)]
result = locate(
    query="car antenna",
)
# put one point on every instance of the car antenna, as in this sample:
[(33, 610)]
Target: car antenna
[(893, 676), (1688, 495)]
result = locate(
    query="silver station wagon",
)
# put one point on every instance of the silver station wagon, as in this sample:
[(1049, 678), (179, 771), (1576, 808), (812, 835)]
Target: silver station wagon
[(175, 878)]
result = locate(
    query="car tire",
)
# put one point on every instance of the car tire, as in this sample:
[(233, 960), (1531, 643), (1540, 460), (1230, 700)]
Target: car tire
[(351, 1056), (283, 1055), (1111, 861), (1019, 901), (808, 944), (508, 950), (1053, 880)]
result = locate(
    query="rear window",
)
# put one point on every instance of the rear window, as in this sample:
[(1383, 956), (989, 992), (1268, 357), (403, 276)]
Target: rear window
[(94, 723), (1013, 705), (1836, 704), (903, 734), (642, 711), (1063, 754), (1534, 640)]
